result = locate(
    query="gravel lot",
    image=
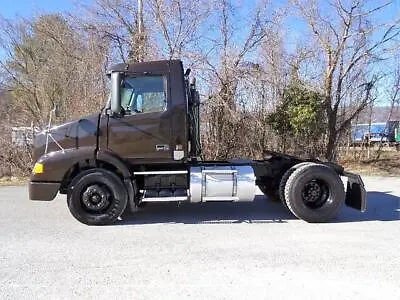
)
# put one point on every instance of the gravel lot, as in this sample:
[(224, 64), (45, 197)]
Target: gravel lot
[(211, 251)]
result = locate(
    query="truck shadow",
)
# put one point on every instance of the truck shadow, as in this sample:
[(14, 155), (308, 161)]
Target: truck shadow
[(259, 211), (382, 206)]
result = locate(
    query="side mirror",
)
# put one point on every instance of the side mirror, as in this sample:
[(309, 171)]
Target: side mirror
[(116, 92)]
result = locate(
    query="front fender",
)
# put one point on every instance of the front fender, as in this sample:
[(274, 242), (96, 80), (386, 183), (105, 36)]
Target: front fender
[(45, 185), (116, 161), (57, 163)]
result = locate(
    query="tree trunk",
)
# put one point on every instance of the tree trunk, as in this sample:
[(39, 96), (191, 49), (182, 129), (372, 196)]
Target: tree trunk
[(331, 146), (332, 132)]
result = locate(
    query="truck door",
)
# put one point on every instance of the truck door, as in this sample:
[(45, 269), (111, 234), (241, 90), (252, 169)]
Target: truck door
[(143, 132)]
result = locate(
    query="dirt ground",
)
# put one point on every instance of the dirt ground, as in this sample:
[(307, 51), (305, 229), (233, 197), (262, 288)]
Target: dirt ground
[(388, 163), (13, 181)]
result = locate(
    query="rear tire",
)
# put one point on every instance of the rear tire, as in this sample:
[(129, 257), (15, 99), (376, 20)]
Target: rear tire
[(97, 197), (314, 193), (285, 178)]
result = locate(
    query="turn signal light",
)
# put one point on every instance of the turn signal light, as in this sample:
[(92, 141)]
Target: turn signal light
[(38, 168)]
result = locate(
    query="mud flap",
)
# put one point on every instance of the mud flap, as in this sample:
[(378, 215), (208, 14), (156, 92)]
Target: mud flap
[(131, 188), (356, 195)]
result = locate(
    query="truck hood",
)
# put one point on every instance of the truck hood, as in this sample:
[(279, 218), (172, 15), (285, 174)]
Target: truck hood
[(72, 134)]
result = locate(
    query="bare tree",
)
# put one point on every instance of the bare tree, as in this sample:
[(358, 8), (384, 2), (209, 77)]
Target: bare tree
[(393, 94), (176, 26), (225, 63), (260, 90), (119, 23), (47, 62), (350, 43)]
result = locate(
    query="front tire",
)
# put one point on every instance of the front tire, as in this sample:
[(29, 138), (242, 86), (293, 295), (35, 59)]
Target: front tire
[(97, 197), (314, 193)]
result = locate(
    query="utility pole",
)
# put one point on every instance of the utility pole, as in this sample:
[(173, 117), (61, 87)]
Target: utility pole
[(138, 50), (140, 17)]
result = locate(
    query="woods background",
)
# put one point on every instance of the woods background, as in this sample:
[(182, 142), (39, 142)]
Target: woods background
[(288, 76)]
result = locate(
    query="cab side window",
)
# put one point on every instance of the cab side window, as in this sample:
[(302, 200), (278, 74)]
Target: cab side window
[(143, 94)]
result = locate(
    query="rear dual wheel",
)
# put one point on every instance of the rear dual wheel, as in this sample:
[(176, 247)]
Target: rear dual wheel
[(97, 197), (314, 193), (279, 195), (285, 178)]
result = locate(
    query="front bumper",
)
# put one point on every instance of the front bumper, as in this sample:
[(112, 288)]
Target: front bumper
[(356, 195), (43, 191)]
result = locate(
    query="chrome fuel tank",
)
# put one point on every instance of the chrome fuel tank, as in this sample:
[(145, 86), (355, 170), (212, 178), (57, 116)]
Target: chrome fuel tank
[(222, 183)]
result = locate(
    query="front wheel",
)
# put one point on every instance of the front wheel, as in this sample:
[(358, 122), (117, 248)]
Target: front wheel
[(314, 193), (97, 197)]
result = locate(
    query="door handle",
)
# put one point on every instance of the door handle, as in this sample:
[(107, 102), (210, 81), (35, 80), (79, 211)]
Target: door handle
[(162, 147)]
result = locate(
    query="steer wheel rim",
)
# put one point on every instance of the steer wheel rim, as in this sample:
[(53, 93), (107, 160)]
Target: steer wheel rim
[(96, 198), (315, 193)]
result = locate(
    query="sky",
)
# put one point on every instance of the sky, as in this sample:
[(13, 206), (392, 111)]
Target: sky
[(25, 8), (10, 8)]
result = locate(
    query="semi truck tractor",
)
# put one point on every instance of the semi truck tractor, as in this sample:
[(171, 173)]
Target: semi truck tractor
[(144, 146)]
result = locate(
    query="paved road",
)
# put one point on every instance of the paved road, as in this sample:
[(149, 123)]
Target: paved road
[(212, 251)]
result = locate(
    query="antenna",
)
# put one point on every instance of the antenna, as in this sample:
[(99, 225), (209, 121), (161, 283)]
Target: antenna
[(48, 129)]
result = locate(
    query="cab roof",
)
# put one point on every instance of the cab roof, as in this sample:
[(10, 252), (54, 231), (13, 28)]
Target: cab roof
[(144, 67)]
